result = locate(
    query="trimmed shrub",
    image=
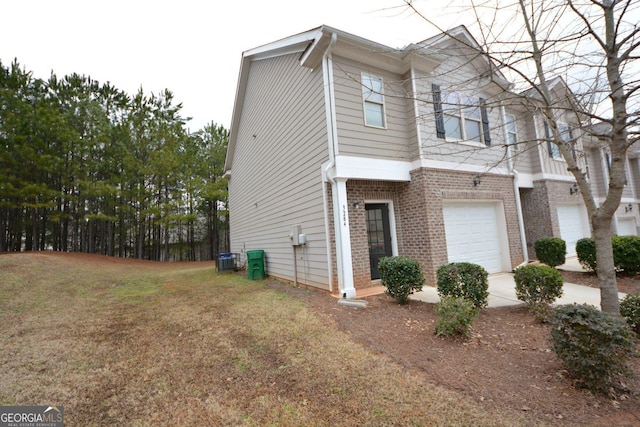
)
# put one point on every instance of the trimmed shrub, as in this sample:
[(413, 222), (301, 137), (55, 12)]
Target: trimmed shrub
[(626, 254), (586, 251), (594, 346), (538, 286), (551, 251), (455, 316), (465, 280), (401, 275), (630, 310)]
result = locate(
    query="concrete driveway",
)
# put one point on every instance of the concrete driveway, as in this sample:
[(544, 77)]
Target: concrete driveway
[(502, 290)]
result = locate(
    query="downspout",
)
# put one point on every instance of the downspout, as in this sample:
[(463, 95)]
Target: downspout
[(516, 189), (416, 109), (327, 77)]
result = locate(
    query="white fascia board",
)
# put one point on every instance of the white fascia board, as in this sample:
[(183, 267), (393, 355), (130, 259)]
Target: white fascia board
[(626, 200), (351, 167), (553, 177), (280, 47), (525, 180), (459, 167)]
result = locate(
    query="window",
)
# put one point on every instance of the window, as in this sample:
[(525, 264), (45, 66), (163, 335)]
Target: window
[(452, 116), (566, 134), (472, 118), (373, 96), (512, 133), (460, 116)]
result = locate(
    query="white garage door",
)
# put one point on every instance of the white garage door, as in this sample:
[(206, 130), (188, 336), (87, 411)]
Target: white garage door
[(473, 235), (627, 226), (571, 226)]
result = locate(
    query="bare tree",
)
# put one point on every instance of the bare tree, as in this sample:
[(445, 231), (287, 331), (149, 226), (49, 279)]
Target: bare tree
[(593, 45)]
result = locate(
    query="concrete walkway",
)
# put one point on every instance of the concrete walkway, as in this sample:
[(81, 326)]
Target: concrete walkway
[(502, 290)]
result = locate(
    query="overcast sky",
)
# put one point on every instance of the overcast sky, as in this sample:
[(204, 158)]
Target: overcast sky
[(191, 47)]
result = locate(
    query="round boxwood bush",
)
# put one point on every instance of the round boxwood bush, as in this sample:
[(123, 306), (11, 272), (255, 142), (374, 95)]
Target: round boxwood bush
[(630, 310), (455, 316), (551, 251), (586, 252), (401, 276), (465, 280), (538, 286), (594, 346), (626, 254)]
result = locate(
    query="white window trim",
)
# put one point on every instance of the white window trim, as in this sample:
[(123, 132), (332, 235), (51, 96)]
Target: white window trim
[(365, 101)]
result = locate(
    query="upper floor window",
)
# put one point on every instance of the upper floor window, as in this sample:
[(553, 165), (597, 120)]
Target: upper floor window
[(566, 134), (512, 132), (373, 97), (460, 116)]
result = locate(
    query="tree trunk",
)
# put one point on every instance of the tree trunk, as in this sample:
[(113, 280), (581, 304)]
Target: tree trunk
[(4, 227), (605, 266)]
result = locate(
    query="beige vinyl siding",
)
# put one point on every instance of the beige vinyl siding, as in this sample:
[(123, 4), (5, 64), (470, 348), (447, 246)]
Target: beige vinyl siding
[(601, 174), (412, 120), (536, 147), (454, 75), (553, 166), (627, 192), (276, 179), (356, 139), (597, 177), (634, 171), (556, 166), (526, 159)]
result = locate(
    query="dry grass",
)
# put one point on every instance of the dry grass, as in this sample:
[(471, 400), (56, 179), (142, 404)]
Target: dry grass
[(118, 342)]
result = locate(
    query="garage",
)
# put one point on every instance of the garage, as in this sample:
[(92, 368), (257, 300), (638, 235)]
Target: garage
[(627, 226), (474, 233), (572, 226)]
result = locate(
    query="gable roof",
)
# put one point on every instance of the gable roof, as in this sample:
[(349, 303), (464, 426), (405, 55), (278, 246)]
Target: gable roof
[(292, 44), (313, 44), (441, 46)]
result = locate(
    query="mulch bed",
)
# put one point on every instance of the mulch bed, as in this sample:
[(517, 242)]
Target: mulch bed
[(507, 362)]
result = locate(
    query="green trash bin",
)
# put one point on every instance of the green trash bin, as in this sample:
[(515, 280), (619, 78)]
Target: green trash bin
[(255, 264)]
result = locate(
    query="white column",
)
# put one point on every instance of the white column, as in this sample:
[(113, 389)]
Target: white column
[(343, 239)]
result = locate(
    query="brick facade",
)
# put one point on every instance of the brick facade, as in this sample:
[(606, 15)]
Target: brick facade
[(419, 219)]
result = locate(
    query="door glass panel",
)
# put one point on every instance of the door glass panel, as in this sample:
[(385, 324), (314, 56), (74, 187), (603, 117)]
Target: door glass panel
[(376, 233), (379, 236)]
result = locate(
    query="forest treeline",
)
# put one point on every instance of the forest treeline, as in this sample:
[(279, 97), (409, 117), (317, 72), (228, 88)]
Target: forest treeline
[(87, 167)]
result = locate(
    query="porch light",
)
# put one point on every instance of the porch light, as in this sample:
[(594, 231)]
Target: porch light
[(574, 189), (476, 180), (356, 205), (628, 208)]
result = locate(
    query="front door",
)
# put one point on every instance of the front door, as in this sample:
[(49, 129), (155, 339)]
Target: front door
[(379, 234)]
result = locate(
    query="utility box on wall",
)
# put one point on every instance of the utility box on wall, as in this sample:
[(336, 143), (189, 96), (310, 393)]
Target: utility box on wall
[(296, 231)]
